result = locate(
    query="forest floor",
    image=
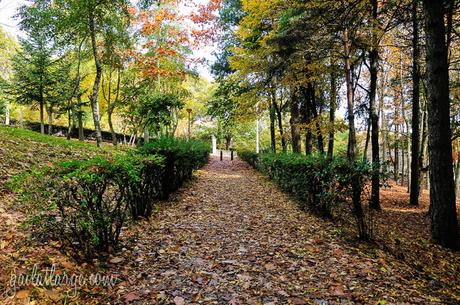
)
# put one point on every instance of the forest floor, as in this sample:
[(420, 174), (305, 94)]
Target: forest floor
[(231, 237)]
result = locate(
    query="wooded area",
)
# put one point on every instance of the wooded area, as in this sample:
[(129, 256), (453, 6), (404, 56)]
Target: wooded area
[(346, 113)]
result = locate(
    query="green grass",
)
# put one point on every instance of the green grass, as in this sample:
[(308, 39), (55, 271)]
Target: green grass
[(24, 150), (28, 135)]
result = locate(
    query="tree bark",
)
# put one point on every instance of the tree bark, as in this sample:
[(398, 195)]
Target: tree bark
[(457, 174), (314, 111), (7, 113), (368, 138), (415, 140), (374, 116), (295, 132), (396, 150), (272, 121), (383, 127), (279, 116), (351, 151), (332, 107), (42, 110), (49, 111), (444, 224), (20, 117), (307, 118), (97, 81), (424, 146)]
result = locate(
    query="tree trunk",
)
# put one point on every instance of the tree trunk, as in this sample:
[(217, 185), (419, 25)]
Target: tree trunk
[(69, 124), (424, 146), (415, 140), (404, 125), (396, 152), (374, 116), (111, 105), (42, 111), (368, 138), (272, 122), (383, 127), (295, 132), (332, 107), (7, 113), (351, 151), (457, 174), (444, 224), (279, 116), (97, 81), (314, 111), (403, 161), (49, 111), (20, 117), (307, 118)]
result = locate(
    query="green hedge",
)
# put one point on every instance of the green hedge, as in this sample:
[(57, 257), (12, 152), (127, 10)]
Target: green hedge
[(319, 184), (181, 159), (249, 156), (85, 204)]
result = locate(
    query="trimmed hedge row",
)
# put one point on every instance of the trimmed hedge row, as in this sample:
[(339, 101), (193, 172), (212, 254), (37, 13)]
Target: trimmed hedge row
[(181, 159), (84, 204), (319, 184), (249, 157)]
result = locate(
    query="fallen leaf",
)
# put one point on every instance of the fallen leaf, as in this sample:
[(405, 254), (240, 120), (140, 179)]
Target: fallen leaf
[(179, 301)]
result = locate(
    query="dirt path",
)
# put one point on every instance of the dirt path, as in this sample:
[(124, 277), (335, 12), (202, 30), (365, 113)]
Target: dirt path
[(233, 238)]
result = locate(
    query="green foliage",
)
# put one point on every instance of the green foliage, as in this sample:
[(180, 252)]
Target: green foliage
[(140, 181), (181, 159), (158, 109), (250, 157), (320, 184), (84, 204), (80, 204)]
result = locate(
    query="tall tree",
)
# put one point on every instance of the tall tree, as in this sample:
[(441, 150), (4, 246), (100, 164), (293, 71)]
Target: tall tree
[(93, 19), (415, 140), (444, 224), (8, 47), (374, 116)]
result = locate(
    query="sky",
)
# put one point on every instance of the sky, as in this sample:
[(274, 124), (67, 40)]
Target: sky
[(8, 10)]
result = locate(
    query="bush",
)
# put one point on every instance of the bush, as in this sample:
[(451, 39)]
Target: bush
[(319, 184), (181, 159), (140, 181), (249, 156), (79, 204), (84, 204)]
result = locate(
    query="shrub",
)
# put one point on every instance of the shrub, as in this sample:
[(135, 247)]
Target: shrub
[(80, 205), (181, 159), (84, 204), (319, 184), (249, 156), (140, 181)]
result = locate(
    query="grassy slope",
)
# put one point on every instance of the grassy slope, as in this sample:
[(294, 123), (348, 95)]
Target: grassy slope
[(22, 150)]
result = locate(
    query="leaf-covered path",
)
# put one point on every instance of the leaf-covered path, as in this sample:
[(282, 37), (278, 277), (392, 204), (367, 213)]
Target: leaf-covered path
[(232, 237)]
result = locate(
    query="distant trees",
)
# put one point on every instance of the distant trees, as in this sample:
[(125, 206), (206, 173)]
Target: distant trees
[(104, 21), (40, 76), (8, 47)]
